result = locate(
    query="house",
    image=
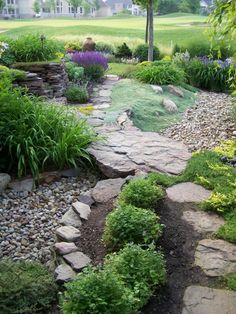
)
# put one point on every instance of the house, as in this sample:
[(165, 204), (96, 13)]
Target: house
[(118, 6)]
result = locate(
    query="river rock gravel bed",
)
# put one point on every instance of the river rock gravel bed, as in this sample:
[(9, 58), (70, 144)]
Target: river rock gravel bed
[(205, 124), (28, 220)]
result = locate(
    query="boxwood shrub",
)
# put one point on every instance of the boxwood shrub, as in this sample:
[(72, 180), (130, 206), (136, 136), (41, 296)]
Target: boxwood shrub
[(128, 224)]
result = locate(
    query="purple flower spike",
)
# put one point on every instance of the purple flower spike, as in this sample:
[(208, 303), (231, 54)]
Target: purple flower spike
[(88, 58)]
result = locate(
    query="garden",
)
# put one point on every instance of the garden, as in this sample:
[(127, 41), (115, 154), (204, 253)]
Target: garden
[(117, 174)]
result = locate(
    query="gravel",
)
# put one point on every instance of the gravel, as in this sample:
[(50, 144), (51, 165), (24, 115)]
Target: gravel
[(28, 219), (205, 124)]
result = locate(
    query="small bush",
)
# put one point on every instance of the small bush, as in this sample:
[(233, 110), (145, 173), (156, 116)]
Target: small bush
[(73, 46), (93, 72), (98, 291), (25, 287), (104, 48), (128, 224), (12, 74), (228, 230), (161, 73), (231, 281), (141, 193), (76, 93), (123, 51), (29, 48), (6, 55), (75, 73), (141, 52), (140, 269)]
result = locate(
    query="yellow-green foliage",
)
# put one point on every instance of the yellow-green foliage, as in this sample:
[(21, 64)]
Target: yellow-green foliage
[(86, 109), (227, 148), (12, 74)]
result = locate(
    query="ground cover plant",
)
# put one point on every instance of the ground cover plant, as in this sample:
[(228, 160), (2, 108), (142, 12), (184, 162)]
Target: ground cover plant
[(76, 93), (26, 287), (34, 134), (231, 281), (145, 105)]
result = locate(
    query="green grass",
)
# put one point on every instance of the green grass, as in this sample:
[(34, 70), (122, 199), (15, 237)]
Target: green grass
[(231, 281), (147, 112), (120, 69), (169, 29)]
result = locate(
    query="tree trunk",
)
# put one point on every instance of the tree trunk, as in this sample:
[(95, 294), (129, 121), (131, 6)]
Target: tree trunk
[(150, 35), (147, 25)]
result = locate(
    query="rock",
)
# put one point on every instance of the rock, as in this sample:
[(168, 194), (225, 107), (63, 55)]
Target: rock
[(106, 190), (156, 88), (169, 106), (203, 222), (216, 257), (129, 150), (22, 185), (49, 177), (81, 209), (77, 260), (175, 91), (105, 93), (68, 173), (63, 248), (68, 233), (187, 192), (112, 77), (70, 218), (4, 181), (86, 199), (204, 300), (104, 105), (64, 273)]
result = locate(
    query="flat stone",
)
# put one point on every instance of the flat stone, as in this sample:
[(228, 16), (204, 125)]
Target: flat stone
[(157, 89), (216, 257), (68, 173), (70, 218), (77, 260), (22, 185), (126, 151), (102, 106), (81, 209), (187, 192), (169, 106), (203, 222), (106, 190), (175, 91), (4, 181), (95, 122), (204, 300), (63, 248), (49, 177), (105, 93), (68, 233), (64, 273), (86, 199), (112, 77)]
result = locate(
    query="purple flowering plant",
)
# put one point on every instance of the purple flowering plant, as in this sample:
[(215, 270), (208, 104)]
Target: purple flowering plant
[(88, 58)]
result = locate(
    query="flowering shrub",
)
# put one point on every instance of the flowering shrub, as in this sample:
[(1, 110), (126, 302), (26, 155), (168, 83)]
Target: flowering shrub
[(88, 58), (6, 56)]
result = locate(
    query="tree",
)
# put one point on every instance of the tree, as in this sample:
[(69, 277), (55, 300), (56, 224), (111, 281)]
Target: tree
[(51, 5), (36, 6), (75, 4), (2, 4)]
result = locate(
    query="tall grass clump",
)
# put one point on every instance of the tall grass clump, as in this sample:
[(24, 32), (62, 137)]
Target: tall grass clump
[(34, 134)]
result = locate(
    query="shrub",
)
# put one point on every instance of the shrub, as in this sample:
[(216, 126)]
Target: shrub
[(141, 193), (28, 48), (104, 48), (25, 287), (12, 74), (6, 56), (34, 134), (141, 52), (73, 46), (162, 73), (75, 73), (128, 224), (123, 51), (98, 291), (141, 269), (76, 93), (93, 72), (231, 281)]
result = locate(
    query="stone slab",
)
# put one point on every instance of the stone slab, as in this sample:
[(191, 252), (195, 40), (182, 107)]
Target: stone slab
[(63, 248), (70, 218), (64, 273), (126, 151), (204, 300), (77, 260), (203, 222), (187, 192), (22, 185), (106, 190), (68, 233), (216, 257), (4, 181), (81, 209)]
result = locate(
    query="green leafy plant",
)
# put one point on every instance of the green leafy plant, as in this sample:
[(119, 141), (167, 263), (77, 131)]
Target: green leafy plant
[(98, 291), (34, 134), (94, 72), (128, 224), (26, 287), (142, 270), (12, 74), (141, 52), (73, 46), (123, 51), (75, 73), (141, 193), (104, 47), (161, 73), (231, 281), (77, 93), (228, 230)]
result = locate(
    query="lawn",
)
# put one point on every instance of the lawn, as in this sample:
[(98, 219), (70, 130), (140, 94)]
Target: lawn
[(169, 29)]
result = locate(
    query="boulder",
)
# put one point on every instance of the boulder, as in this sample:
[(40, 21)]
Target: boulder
[(77, 260), (157, 89), (64, 273), (4, 181), (175, 91), (63, 248), (81, 209), (106, 190), (70, 218), (68, 233), (22, 185), (169, 106)]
